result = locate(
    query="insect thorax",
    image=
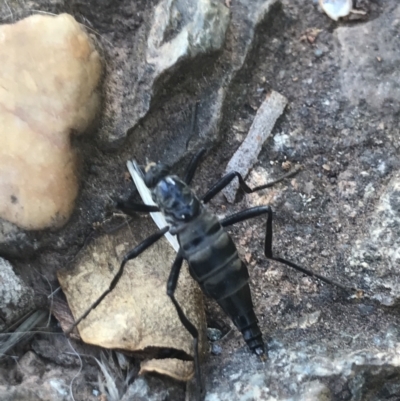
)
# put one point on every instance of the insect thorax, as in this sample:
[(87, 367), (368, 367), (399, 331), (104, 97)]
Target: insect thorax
[(176, 200)]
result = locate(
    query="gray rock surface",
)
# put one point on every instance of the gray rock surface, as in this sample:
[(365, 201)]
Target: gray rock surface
[(370, 59), (300, 373), (376, 256), (179, 31), (14, 241), (15, 297)]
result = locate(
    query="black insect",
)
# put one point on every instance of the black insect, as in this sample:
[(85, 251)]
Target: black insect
[(210, 251)]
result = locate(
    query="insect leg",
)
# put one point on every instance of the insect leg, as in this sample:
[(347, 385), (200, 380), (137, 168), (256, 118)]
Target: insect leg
[(244, 215), (226, 180), (259, 210), (130, 255), (189, 326), (193, 165), (130, 208)]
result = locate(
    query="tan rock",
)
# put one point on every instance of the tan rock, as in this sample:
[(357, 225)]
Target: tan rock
[(48, 75)]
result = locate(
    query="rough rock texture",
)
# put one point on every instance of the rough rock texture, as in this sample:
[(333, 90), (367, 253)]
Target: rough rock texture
[(370, 58), (49, 72), (180, 31), (12, 235), (188, 35), (151, 390), (376, 257), (336, 8), (15, 296), (305, 369)]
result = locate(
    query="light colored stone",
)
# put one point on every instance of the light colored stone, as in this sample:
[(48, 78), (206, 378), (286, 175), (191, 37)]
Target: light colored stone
[(306, 320), (48, 75), (314, 390), (175, 368)]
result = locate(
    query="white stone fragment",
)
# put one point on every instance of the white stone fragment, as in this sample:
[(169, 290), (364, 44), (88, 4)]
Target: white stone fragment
[(245, 157), (336, 9)]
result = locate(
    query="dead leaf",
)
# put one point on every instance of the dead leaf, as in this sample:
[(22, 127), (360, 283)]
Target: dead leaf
[(167, 367), (137, 315)]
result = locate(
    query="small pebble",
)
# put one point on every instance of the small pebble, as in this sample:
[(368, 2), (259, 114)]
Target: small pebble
[(213, 334), (318, 53)]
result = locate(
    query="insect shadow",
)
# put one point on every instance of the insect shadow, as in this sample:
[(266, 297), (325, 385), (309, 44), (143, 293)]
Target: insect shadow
[(209, 250)]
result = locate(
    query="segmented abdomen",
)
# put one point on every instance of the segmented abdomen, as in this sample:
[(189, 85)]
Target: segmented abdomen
[(214, 263)]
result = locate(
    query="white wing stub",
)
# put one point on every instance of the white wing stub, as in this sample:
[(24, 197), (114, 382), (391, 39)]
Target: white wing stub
[(145, 194)]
